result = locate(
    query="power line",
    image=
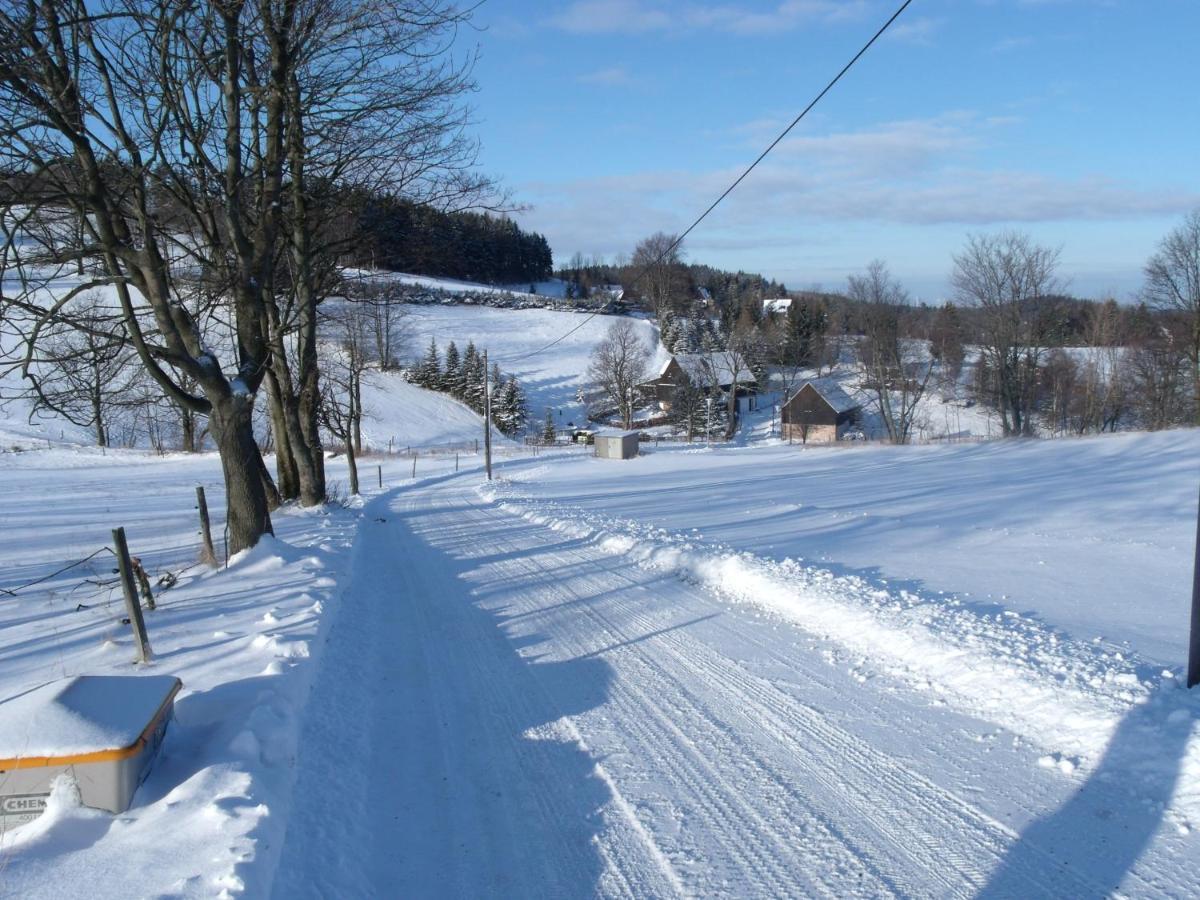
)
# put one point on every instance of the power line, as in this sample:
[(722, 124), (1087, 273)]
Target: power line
[(729, 190)]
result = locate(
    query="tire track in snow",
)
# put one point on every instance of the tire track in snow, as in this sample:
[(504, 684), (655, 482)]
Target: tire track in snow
[(623, 848), (950, 841), (762, 860)]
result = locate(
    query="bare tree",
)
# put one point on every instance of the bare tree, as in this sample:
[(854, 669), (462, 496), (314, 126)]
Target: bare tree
[(202, 140), (619, 365), (896, 370), (1173, 284), (659, 260), (388, 322), (81, 370), (1011, 280), (344, 362)]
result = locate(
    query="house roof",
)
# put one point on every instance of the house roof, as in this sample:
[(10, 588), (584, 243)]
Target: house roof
[(704, 368), (833, 394)]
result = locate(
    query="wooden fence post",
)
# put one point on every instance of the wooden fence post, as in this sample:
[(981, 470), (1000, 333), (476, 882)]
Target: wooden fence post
[(132, 606), (456, 461), (414, 474), (380, 470), (143, 581), (208, 554)]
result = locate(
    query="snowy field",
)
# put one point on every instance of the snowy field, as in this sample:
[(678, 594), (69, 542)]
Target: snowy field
[(399, 416), (759, 670), (551, 379), (750, 672)]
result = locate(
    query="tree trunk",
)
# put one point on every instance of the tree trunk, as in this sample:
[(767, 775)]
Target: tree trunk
[(274, 501), (285, 461), (356, 394), (187, 427), (352, 464), (247, 515)]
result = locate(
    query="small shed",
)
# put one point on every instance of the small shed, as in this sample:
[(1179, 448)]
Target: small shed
[(820, 412), (103, 729), (617, 444)]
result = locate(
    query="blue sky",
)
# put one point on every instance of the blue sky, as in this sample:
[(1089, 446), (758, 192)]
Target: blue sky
[(1077, 121)]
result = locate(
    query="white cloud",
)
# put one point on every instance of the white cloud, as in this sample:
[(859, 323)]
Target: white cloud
[(913, 173), (640, 16), (614, 76), (1018, 42), (611, 16), (915, 31)]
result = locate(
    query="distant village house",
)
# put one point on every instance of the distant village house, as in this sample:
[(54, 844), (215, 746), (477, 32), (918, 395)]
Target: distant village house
[(702, 371), (820, 412)]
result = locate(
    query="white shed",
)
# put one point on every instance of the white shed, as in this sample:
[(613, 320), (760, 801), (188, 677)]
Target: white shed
[(617, 444)]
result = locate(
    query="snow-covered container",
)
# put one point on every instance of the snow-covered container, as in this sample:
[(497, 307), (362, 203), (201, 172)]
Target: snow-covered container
[(103, 729), (617, 444)]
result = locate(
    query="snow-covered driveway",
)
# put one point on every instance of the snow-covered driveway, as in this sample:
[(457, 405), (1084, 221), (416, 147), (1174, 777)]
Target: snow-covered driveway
[(505, 710)]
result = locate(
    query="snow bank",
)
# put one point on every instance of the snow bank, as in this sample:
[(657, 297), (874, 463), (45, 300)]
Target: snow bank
[(1066, 696), (244, 640)]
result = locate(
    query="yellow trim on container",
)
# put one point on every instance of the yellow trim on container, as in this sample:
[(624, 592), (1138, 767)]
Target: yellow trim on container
[(98, 756)]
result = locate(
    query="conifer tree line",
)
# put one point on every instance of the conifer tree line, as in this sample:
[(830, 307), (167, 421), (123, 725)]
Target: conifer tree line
[(462, 376), (401, 236)]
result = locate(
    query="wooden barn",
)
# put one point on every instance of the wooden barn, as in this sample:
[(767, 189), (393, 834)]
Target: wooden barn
[(820, 412)]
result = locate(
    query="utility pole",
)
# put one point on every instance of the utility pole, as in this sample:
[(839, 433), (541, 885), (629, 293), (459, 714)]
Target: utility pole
[(487, 417), (1193, 674)]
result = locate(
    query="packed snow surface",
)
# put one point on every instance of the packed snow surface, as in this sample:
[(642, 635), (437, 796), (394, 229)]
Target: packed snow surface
[(756, 671)]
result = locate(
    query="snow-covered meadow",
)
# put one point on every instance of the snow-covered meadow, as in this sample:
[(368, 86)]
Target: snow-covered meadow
[(748, 670)]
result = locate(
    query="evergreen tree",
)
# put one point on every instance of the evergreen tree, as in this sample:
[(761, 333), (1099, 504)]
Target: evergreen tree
[(946, 339), (710, 338), (806, 325), (549, 431), (429, 371), (509, 409), (473, 378), (687, 409), (452, 382), (669, 331), (713, 411)]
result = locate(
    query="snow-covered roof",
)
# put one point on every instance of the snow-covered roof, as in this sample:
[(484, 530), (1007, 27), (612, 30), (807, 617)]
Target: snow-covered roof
[(659, 362), (614, 433), (833, 394), (718, 366), (776, 304)]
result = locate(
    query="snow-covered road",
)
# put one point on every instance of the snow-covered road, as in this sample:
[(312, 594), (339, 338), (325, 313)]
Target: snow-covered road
[(505, 710)]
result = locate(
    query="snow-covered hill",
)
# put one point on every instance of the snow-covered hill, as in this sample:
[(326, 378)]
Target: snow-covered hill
[(400, 415), (519, 341)]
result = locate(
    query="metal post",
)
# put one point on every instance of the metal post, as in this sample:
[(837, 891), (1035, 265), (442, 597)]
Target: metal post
[(414, 474), (132, 606), (487, 417), (208, 554), (1193, 676), (379, 470), (456, 461)]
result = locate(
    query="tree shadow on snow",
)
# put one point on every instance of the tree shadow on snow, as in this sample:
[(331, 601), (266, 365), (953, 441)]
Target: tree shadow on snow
[(437, 759), (1089, 845)]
